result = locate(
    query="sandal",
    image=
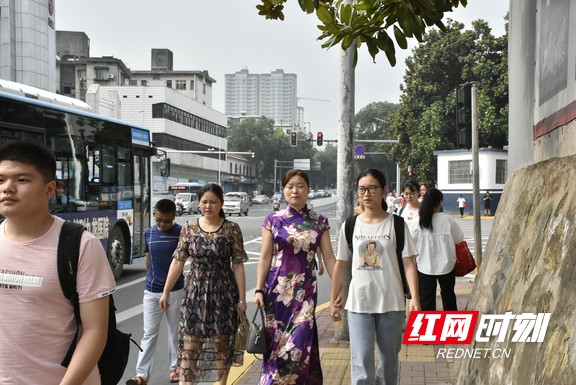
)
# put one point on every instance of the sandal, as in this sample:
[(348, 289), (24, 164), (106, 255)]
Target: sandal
[(138, 380), (174, 376)]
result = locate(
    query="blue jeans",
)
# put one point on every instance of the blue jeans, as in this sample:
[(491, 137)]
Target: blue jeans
[(152, 314), (387, 328)]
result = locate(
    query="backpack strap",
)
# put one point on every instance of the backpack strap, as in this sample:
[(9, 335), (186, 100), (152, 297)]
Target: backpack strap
[(67, 259), (399, 231), (400, 240), (401, 210), (349, 230)]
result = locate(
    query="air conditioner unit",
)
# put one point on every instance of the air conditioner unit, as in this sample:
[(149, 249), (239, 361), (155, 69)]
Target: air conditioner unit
[(110, 76)]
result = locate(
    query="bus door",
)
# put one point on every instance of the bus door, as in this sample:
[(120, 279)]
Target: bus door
[(141, 200)]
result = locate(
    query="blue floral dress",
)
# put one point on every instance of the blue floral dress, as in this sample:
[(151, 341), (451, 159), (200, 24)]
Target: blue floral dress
[(290, 296), (209, 319)]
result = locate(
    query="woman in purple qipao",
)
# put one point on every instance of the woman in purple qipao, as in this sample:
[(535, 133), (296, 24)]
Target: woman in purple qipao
[(286, 285)]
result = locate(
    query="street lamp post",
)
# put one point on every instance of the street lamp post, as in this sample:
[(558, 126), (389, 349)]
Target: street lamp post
[(213, 150)]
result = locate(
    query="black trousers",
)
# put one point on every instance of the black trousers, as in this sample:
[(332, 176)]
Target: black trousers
[(427, 291), (461, 211)]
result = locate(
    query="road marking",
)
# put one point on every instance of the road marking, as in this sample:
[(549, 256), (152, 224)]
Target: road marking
[(132, 312)]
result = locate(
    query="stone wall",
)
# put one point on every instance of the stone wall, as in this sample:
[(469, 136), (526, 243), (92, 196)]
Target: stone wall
[(530, 266)]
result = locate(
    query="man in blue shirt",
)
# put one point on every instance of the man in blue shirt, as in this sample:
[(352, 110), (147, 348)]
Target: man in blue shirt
[(161, 241)]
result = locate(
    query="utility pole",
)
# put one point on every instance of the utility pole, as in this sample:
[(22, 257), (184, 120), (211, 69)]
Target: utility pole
[(344, 175), (476, 177)]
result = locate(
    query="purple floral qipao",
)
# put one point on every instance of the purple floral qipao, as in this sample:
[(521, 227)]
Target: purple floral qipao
[(290, 296)]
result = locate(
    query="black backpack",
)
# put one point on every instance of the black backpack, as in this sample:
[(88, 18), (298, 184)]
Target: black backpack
[(398, 230), (115, 355)]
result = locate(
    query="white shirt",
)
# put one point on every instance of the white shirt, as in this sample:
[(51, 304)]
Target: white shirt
[(390, 199), (437, 248), (461, 202), (376, 285), (412, 219)]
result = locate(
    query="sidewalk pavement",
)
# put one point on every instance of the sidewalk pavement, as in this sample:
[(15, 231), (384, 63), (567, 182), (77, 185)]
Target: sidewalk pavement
[(418, 363)]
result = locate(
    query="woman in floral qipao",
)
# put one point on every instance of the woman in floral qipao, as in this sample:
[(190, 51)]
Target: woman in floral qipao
[(286, 285)]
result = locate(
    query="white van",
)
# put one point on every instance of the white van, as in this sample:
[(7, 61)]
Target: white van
[(190, 203), (236, 203)]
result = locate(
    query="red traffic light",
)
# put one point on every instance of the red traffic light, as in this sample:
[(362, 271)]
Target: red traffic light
[(293, 139), (319, 138)]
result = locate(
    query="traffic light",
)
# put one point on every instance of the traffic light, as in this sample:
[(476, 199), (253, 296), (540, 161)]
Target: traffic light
[(165, 167), (409, 172), (293, 139), (319, 138), (464, 116)]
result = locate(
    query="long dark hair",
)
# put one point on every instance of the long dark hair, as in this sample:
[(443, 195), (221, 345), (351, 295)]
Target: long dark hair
[(216, 190), (432, 198), (378, 175)]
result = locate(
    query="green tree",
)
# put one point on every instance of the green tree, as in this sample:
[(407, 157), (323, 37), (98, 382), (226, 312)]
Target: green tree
[(373, 123), (426, 119), (377, 23), (270, 144), (326, 177)]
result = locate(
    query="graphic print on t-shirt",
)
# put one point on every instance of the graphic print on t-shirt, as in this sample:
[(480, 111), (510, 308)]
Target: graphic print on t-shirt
[(370, 252)]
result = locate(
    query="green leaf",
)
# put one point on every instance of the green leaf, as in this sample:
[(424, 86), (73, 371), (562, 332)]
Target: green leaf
[(400, 38), (324, 15), (306, 5), (391, 55), (384, 42), (347, 42), (372, 48), (346, 13)]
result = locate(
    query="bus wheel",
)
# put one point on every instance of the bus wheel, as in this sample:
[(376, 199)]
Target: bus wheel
[(116, 251)]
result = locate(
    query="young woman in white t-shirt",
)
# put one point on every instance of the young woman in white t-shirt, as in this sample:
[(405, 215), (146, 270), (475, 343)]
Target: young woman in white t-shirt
[(437, 234), (375, 302), (409, 212)]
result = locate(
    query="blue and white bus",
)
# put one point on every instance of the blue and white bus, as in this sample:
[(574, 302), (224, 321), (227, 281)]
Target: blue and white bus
[(103, 165)]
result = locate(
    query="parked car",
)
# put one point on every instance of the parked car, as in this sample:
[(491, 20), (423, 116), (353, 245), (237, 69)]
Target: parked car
[(236, 203), (261, 200), (320, 193), (311, 194), (189, 201)]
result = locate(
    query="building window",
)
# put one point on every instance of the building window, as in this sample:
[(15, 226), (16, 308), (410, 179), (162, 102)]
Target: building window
[(501, 171), (180, 84), (169, 83), (156, 76), (459, 171), (101, 73), (204, 88), (133, 82), (192, 84), (144, 82)]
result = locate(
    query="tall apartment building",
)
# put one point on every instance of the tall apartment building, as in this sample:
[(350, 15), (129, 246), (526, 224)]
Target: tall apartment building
[(273, 95), (27, 43)]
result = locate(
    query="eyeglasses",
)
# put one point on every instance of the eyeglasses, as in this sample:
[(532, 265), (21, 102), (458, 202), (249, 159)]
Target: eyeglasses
[(371, 189), (165, 221)]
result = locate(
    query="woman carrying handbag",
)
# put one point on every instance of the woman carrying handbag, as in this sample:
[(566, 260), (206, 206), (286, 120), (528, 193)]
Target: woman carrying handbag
[(437, 236), (286, 285)]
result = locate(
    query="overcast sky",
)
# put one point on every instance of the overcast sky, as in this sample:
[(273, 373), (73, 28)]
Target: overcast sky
[(227, 35)]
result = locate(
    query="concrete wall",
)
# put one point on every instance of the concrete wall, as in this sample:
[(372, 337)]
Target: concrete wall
[(530, 266)]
